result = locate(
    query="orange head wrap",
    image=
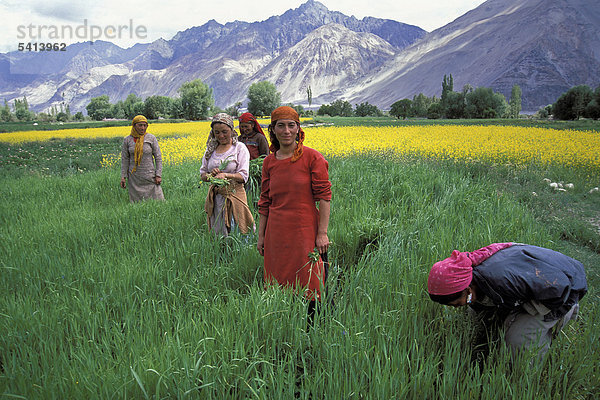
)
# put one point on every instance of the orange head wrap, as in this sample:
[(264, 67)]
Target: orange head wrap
[(139, 143), (286, 112)]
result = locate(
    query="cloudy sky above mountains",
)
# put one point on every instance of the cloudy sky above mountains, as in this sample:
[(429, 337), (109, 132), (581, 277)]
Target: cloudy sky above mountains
[(128, 22)]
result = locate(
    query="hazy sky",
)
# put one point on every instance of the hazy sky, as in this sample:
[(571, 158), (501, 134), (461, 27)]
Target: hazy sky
[(125, 22)]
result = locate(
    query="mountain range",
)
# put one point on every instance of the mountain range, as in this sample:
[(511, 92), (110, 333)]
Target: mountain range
[(544, 46)]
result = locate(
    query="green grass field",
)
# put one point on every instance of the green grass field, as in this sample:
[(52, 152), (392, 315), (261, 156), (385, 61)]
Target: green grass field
[(106, 299)]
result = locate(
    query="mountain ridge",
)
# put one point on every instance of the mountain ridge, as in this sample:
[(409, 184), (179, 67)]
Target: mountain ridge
[(535, 44), (545, 47)]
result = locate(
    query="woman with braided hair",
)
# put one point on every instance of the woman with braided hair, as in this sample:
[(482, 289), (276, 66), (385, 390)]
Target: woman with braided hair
[(291, 227), (141, 163)]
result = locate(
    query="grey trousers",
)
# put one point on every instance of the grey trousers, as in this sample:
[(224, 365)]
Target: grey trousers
[(525, 331)]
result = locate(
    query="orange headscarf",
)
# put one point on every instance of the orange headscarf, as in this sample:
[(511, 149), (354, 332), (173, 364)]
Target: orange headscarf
[(139, 142), (286, 112)]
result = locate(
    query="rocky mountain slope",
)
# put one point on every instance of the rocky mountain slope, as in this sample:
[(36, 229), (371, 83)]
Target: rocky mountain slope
[(226, 57), (544, 46)]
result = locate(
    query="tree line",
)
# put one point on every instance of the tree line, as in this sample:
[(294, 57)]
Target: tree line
[(579, 101), (471, 102), (196, 102)]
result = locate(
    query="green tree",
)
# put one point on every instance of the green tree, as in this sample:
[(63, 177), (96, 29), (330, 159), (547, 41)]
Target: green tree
[(365, 109), (234, 110), (447, 87), (484, 103), (263, 98), (53, 112), (401, 108), (99, 108), (572, 104), (157, 106), (435, 111), (62, 116), (196, 100), (339, 108), (593, 108), (128, 105), (342, 108), (139, 108), (298, 107), (176, 109), (420, 105), (324, 109), (5, 114), (78, 116), (22, 110), (44, 117), (454, 105), (515, 101), (117, 110)]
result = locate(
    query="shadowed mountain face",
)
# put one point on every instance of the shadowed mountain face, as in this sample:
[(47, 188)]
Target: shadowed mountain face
[(544, 46)]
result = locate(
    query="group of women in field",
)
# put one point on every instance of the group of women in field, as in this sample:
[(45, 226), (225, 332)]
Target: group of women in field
[(526, 292), (292, 229)]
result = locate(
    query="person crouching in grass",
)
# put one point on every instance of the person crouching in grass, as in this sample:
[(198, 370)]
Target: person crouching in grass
[(531, 292)]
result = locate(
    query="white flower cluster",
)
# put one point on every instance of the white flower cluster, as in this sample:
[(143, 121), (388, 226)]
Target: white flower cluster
[(559, 186), (562, 187)]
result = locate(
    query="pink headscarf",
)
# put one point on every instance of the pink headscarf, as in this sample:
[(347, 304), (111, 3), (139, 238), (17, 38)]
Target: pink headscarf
[(455, 273)]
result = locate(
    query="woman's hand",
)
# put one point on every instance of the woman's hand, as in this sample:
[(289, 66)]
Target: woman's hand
[(157, 180), (215, 171), (322, 242), (123, 183), (260, 245)]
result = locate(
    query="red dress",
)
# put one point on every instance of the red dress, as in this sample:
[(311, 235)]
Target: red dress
[(289, 191)]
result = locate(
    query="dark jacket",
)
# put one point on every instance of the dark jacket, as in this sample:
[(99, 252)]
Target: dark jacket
[(521, 273)]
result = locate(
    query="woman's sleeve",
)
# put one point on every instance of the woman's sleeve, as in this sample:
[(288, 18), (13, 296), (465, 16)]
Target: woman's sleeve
[(204, 167), (263, 145), (157, 157), (319, 175), (264, 202), (243, 161), (124, 158)]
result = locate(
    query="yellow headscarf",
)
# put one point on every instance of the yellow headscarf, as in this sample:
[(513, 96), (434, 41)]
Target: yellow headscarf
[(139, 144)]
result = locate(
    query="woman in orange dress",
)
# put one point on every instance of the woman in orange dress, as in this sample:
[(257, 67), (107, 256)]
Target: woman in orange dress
[(291, 227)]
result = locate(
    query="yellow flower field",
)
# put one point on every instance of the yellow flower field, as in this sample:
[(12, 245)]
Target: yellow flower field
[(187, 141), (487, 143), (158, 130)]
